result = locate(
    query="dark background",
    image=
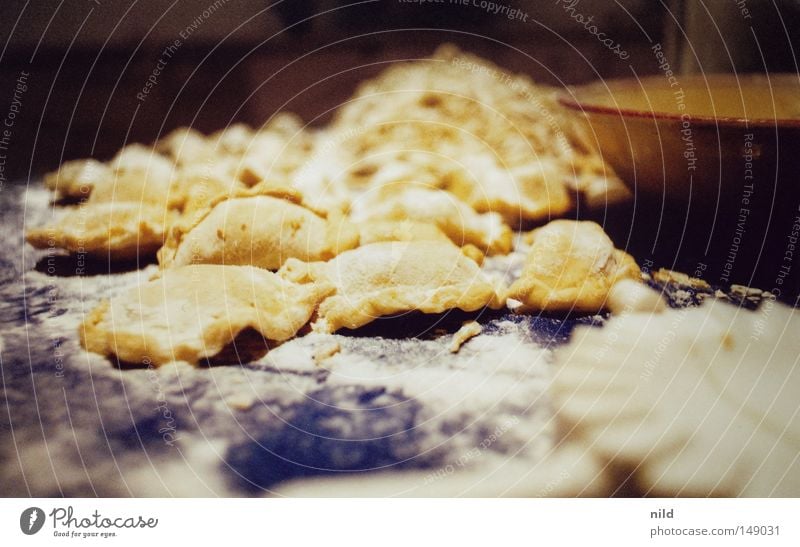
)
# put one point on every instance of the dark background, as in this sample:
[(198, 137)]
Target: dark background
[(246, 61), (87, 59)]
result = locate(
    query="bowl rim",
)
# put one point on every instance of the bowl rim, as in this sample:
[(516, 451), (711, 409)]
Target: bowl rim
[(571, 99)]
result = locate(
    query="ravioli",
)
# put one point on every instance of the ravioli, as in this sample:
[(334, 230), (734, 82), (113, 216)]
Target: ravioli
[(457, 220), (201, 185), (77, 178), (140, 174), (389, 278), (531, 192), (374, 231), (192, 313), (119, 231), (571, 266), (499, 141), (185, 146), (127, 213), (258, 230), (135, 174)]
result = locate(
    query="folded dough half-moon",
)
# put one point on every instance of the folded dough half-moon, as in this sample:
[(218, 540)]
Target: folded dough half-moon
[(193, 313), (571, 266), (119, 231), (411, 201), (259, 230), (394, 277)]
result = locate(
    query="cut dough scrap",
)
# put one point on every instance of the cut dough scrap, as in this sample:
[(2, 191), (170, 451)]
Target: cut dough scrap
[(699, 401), (457, 220), (468, 330), (120, 231), (259, 230), (571, 266), (193, 313), (388, 278)]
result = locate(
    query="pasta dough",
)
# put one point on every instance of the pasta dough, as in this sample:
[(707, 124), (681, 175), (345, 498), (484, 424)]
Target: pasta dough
[(77, 178), (259, 230), (193, 313), (455, 121), (697, 401), (394, 277), (131, 204), (571, 266), (120, 231), (136, 174), (374, 231), (457, 220), (185, 146)]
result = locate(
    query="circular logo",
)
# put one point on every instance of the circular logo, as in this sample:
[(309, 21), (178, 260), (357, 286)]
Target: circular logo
[(31, 520)]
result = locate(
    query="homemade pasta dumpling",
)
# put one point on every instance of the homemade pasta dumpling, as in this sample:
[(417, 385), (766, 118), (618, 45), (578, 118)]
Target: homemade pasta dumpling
[(530, 192), (402, 201), (77, 178), (193, 313), (119, 231), (373, 231), (127, 214), (139, 175), (388, 278), (201, 185), (571, 266), (258, 230), (185, 146), (135, 174)]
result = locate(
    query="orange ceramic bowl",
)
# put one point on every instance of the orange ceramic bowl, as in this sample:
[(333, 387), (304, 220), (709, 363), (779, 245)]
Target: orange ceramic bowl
[(695, 137)]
